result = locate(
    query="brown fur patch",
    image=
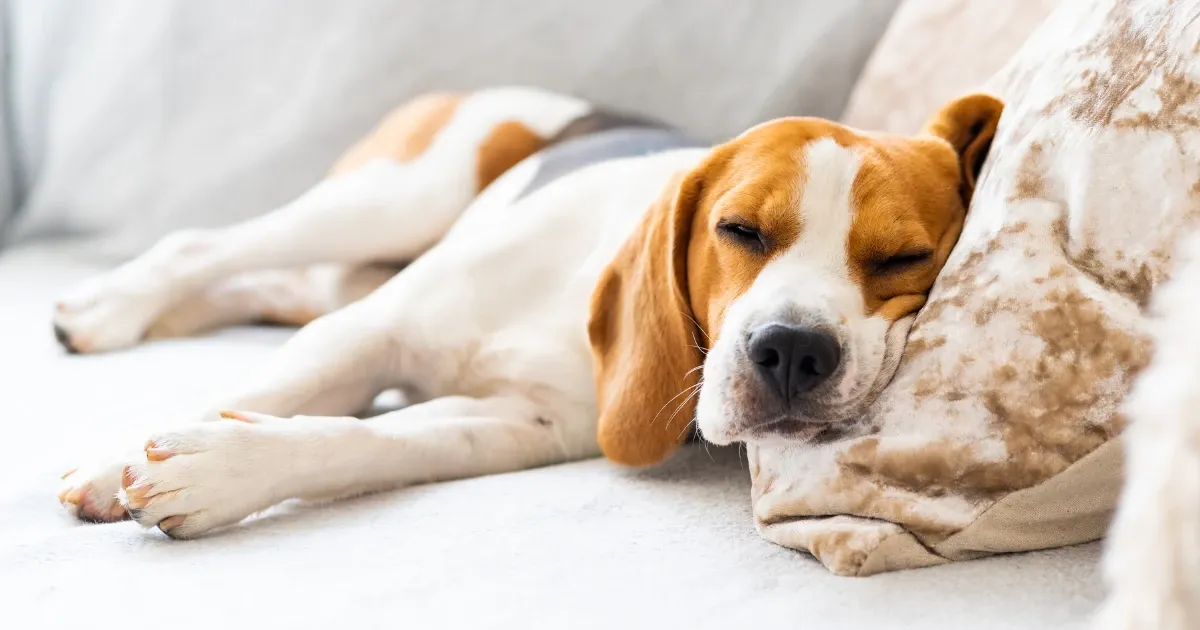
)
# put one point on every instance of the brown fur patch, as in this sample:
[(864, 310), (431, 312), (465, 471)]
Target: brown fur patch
[(506, 145), (906, 197), (903, 204), (643, 339), (750, 181), (404, 134)]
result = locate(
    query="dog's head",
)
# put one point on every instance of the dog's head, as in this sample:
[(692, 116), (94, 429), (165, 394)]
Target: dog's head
[(787, 267)]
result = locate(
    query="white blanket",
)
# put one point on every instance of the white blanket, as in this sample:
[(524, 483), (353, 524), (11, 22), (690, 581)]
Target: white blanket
[(581, 545)]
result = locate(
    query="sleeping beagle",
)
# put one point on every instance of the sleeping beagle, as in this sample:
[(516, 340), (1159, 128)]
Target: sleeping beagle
[(580, 283)]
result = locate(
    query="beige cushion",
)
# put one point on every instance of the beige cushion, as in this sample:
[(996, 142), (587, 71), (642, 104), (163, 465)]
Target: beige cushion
[(997, 434), (935, 50)]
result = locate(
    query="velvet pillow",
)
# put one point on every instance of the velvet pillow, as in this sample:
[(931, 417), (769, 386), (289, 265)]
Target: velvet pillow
[(999, 431)]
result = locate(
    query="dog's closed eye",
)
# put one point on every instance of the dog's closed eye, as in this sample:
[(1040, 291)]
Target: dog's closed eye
[(742, 234), (901, 262)]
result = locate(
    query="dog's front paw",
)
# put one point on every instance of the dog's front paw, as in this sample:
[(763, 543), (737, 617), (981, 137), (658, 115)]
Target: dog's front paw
[(90, 494), (209, 475)]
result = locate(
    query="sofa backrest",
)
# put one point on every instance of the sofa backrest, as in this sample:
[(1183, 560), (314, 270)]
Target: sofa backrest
[(132, 118)]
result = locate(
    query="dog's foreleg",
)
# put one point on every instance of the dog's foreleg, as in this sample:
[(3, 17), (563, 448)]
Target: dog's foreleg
[(217, 473), (334, 366)]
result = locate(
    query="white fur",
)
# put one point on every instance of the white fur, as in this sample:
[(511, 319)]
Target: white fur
[(1153, 558), (486, 327)]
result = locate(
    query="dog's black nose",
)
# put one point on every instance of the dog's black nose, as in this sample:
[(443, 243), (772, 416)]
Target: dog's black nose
[(791, 359)]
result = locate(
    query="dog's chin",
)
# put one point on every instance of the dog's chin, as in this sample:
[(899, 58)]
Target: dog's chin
[(792, 431), (810, 424)]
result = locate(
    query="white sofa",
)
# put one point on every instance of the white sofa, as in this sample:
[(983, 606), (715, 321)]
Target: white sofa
[(127, 119)]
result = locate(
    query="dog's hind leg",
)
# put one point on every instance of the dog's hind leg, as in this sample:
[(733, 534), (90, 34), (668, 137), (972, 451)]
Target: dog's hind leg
[(1153, 552), (293, 297), (389, 199), (218, 473)]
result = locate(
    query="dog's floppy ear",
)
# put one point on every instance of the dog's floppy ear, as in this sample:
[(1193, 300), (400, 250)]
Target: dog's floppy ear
[(644, 340), (968, 124)]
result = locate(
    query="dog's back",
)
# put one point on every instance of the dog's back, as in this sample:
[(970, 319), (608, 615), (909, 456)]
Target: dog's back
[(598, 137)]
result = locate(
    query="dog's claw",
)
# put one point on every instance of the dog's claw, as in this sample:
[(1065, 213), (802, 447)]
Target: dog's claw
[(64, 339), (75, 495), (156, 454), (127, 477)]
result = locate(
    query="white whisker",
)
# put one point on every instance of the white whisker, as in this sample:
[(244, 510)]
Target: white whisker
[(689, 316), (695, 390), (685, 428), (685, 390)]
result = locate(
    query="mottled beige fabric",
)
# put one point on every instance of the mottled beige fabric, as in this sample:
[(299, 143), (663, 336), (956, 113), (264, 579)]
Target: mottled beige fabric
[(997, 433), (935, 50)]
